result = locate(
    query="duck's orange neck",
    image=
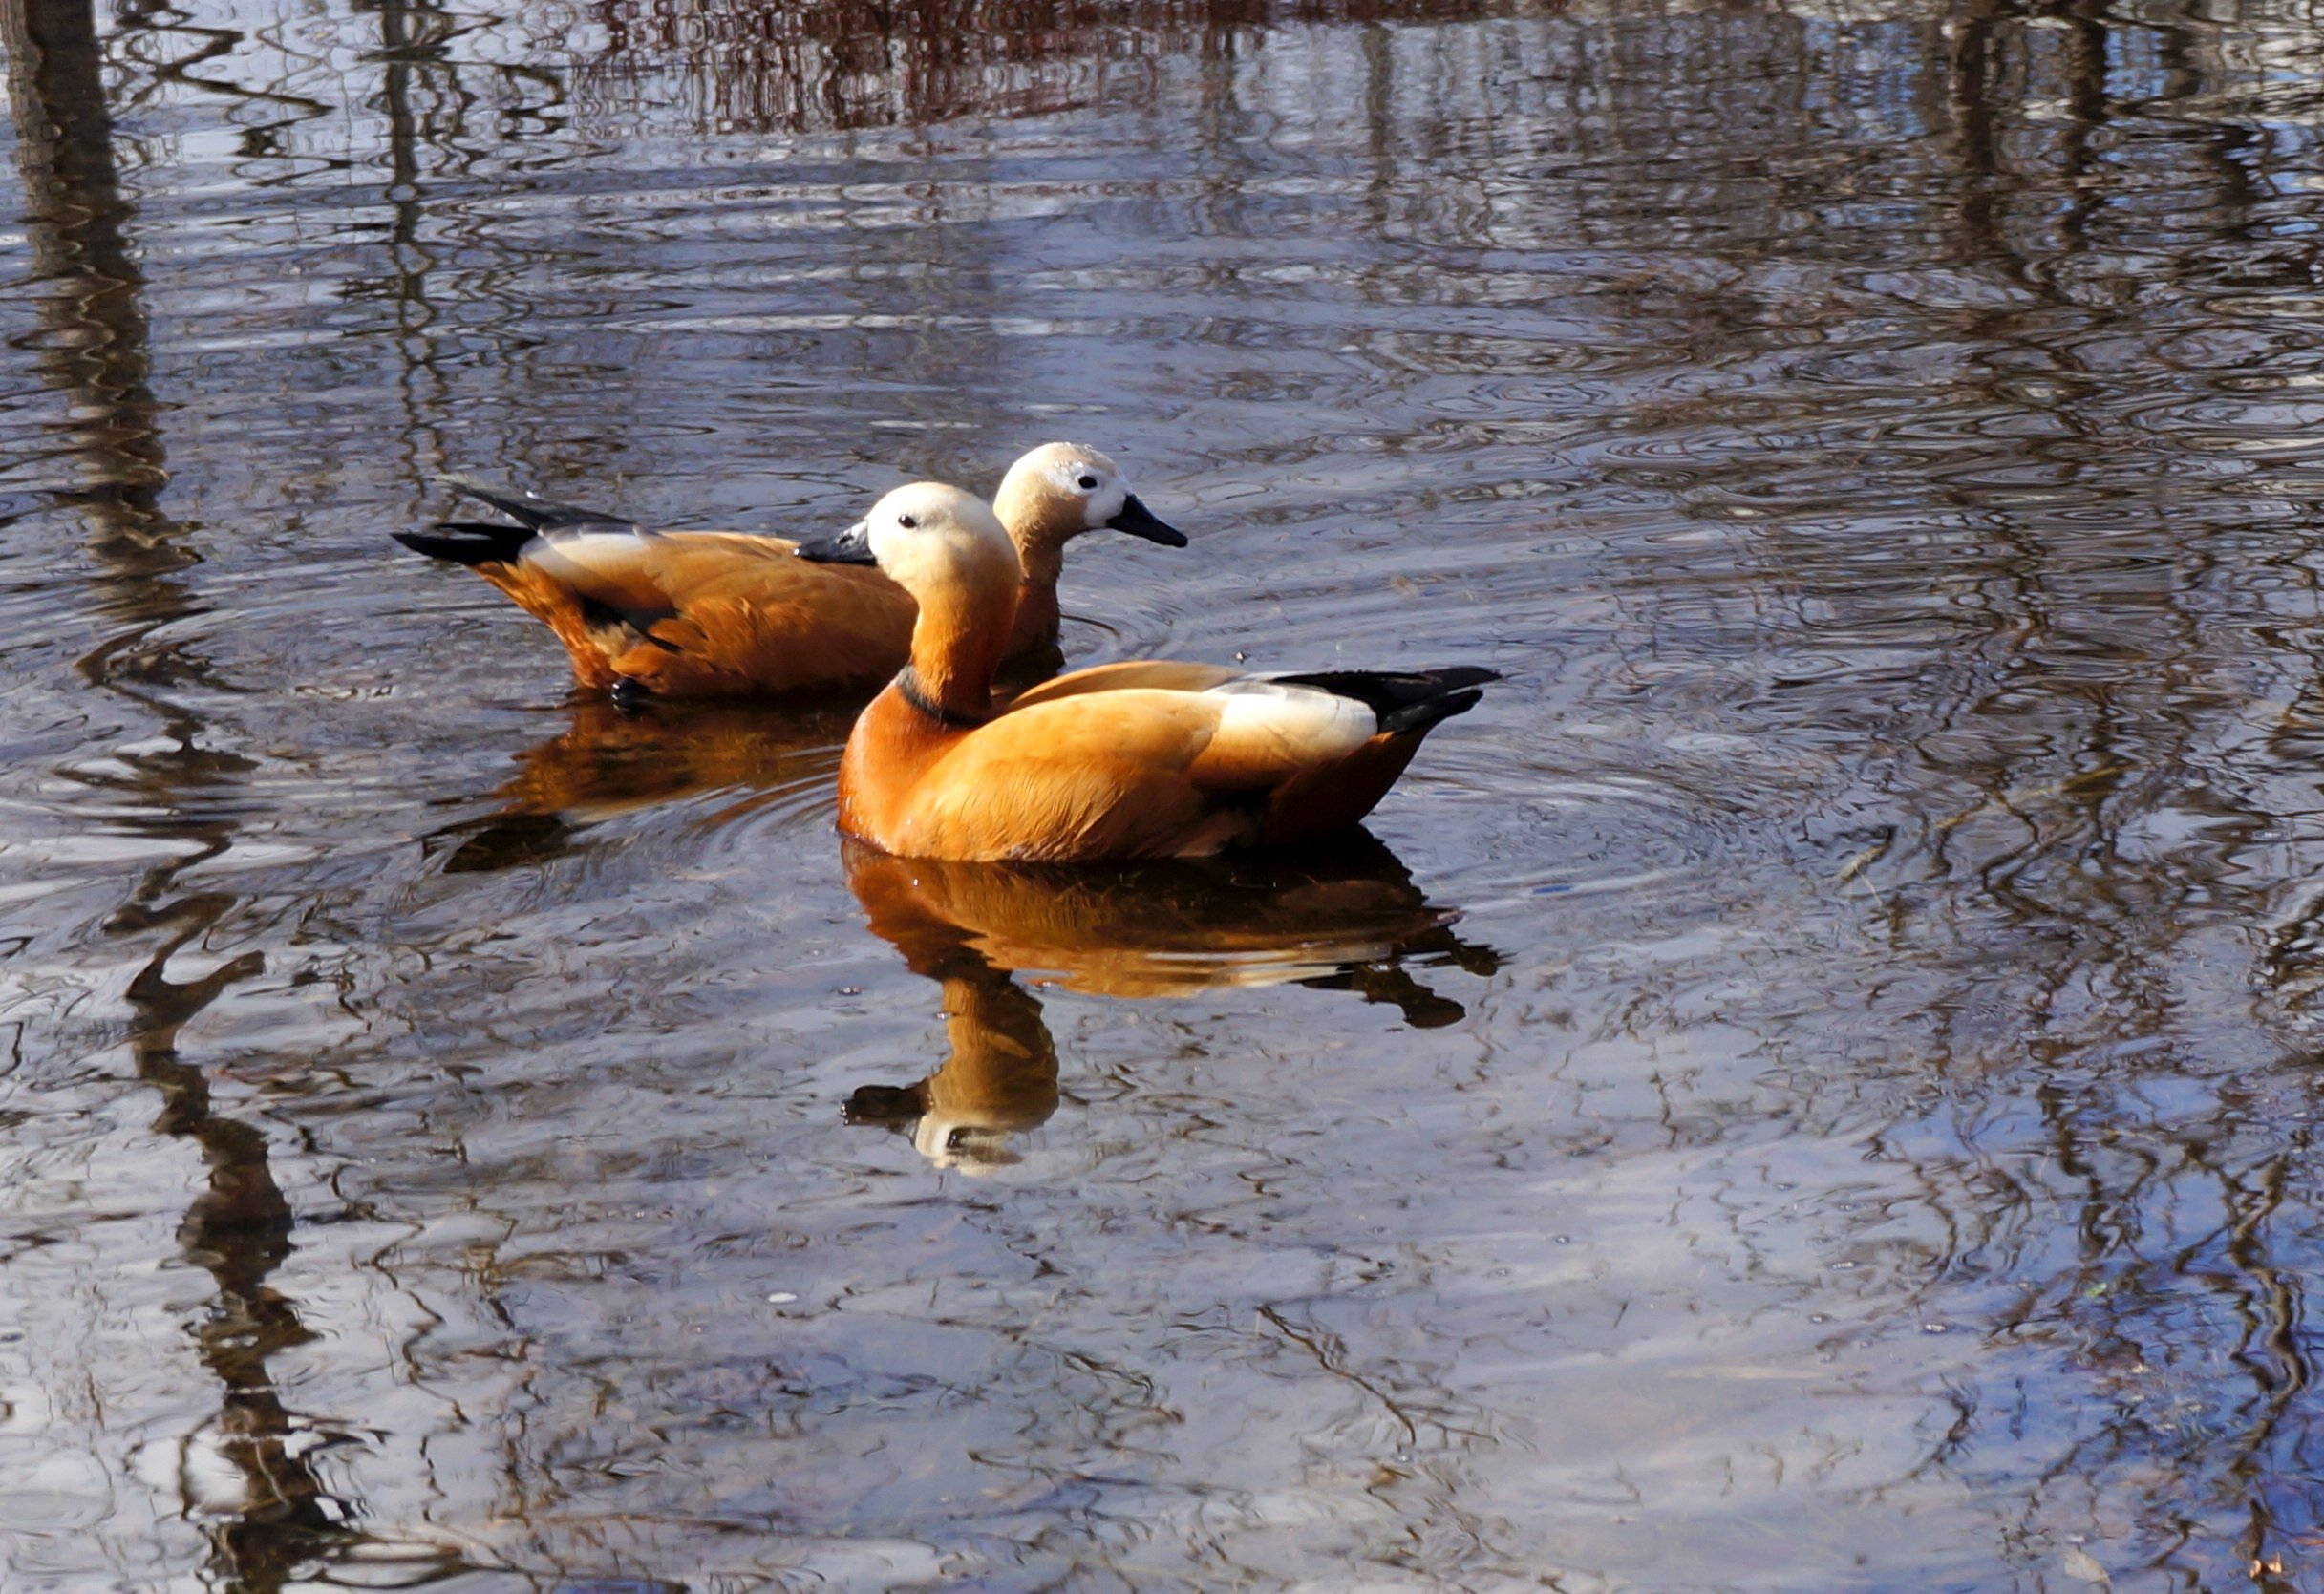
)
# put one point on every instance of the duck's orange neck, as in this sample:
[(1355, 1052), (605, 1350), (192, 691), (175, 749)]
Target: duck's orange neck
[(1036, 611), (1040, 523), (958, 643)]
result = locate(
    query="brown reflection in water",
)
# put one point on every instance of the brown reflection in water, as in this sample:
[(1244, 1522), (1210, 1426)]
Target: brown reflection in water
[(281, 1517), (238, 1230), (610, 761), (1343, 915), (91, 305), (851, 63), (410, 36)]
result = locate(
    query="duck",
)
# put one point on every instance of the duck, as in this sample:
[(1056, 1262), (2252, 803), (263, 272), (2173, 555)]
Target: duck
[(695, 614), (1138, 759)]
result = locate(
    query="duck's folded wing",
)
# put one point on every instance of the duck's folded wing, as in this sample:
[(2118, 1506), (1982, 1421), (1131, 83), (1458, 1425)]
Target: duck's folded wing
[(1268, 731), (1217, 729), (1140, 771), (646, 578), (1157, 675), (1087, 774)]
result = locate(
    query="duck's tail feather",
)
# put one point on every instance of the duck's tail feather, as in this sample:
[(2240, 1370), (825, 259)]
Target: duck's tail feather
[(469, 543), (1405, 700), (1419, 717), (474, 543), (534, 512)]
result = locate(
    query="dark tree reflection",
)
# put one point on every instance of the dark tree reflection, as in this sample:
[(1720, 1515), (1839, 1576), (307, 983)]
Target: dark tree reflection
[(849, 64), (280, 1519), (91, 289)]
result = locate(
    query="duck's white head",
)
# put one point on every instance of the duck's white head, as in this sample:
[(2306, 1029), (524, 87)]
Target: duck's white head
[(1060, 490), (929, 538)]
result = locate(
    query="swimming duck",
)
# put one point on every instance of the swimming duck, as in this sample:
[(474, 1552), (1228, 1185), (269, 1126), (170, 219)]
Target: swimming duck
[(728, 614), (1142, 760)]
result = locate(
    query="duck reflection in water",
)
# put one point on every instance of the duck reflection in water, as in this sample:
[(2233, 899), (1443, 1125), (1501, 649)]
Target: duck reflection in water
[(610, 761), (1340, 916)]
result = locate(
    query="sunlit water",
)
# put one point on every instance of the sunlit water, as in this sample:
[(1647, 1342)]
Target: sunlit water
[(1814, 1087)]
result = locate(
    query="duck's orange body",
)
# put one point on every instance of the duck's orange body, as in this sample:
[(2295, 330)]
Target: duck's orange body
[(1154, 771), (706, 614), (725, 614), (1150, 759)]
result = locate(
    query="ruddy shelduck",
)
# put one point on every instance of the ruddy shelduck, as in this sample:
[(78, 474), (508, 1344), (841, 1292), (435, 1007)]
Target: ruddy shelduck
[(1149, 759), (730, 614)]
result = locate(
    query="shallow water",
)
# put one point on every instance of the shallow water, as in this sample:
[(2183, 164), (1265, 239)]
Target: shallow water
[(1812, 1086)]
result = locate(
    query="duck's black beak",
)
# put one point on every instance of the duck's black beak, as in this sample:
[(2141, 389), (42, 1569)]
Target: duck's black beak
[(1139, 520), (852, 547)]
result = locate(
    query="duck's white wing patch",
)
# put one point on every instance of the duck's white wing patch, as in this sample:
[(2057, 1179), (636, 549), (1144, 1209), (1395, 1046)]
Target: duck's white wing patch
[(622, 570), (1271, 729), (600, 553)]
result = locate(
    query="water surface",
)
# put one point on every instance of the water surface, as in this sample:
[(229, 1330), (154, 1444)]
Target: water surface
[(1812, 1086)]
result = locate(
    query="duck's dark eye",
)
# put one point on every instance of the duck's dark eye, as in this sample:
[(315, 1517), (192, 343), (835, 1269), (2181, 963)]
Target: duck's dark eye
[(1089, 483), (909, 523)]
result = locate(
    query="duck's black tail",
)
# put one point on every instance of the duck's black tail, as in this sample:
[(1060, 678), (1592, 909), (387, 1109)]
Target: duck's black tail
[(534, 512), (487, 542), (1412, 700), (469, 543)]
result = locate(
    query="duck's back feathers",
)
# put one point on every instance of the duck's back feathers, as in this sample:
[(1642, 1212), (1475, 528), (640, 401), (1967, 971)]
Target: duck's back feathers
[(715, 613), (1163, 674), (1399, 700), (1268, 728)]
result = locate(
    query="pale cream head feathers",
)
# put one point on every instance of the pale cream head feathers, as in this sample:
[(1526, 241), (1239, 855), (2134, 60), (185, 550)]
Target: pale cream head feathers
[(1081, 488), (928, 537)]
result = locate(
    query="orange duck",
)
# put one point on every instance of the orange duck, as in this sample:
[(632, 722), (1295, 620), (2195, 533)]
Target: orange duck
[(1150, 759), (729, 614)]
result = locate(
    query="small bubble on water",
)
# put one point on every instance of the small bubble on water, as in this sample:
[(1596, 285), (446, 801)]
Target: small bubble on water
[(781, 1298), (1562, 1239), (851, 991), (1937, 1327)]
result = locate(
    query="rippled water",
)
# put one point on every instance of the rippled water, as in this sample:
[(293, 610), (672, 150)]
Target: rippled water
[(1812, 1086)]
